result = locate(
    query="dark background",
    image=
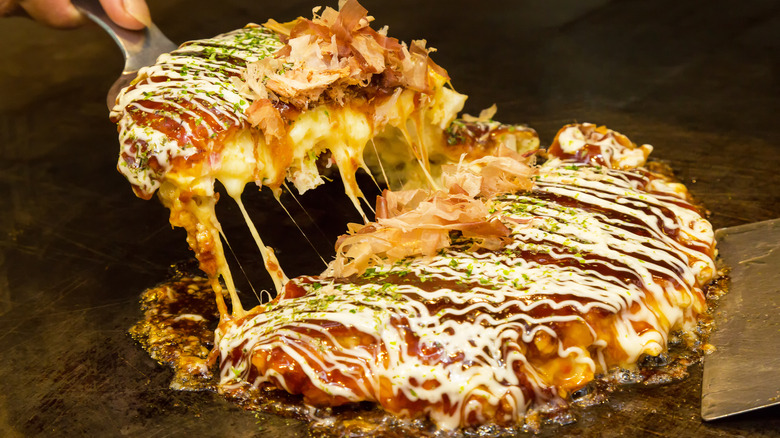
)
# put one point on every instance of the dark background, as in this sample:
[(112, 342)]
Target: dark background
[(696, 79)]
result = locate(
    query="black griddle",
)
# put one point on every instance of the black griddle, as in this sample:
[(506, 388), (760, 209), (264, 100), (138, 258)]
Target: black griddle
[(698, 80)]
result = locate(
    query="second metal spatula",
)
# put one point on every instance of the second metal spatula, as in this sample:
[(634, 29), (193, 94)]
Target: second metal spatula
[(743, 373)]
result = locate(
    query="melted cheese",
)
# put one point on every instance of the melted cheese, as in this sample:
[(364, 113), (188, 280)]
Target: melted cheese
[(602, 266), (190, 91), (269, 259), (182, 125), (602, 144)]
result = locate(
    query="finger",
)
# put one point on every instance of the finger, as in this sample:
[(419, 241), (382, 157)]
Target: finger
[(55, 13), (8, 8), (130, 14)]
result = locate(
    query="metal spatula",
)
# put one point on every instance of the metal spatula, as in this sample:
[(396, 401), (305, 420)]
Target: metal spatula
[(743, 373), (140, 47)]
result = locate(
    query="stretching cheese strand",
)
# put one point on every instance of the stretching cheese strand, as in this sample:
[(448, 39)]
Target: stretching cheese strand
[(602, 266)]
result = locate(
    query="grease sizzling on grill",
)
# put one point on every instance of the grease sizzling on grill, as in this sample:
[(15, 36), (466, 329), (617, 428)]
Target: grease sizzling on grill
[(602, 266), (188, 294), (605, 268)]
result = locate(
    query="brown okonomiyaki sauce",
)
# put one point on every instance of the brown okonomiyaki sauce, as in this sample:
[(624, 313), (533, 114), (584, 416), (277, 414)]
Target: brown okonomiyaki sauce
[(180, 317)]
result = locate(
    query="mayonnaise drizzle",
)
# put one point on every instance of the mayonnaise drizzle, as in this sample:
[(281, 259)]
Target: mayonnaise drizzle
[(572, 139), (189, 89), (603, 264)]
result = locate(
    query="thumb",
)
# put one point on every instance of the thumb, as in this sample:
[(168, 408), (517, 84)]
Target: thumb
[(130, 14)]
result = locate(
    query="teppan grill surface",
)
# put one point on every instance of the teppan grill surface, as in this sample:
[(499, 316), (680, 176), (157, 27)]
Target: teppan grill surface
[(698, 80)]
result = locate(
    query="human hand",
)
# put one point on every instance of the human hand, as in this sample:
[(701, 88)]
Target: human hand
[(130, 14)]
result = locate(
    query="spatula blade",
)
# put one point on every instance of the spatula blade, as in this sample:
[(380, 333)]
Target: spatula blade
[(743, 373)]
